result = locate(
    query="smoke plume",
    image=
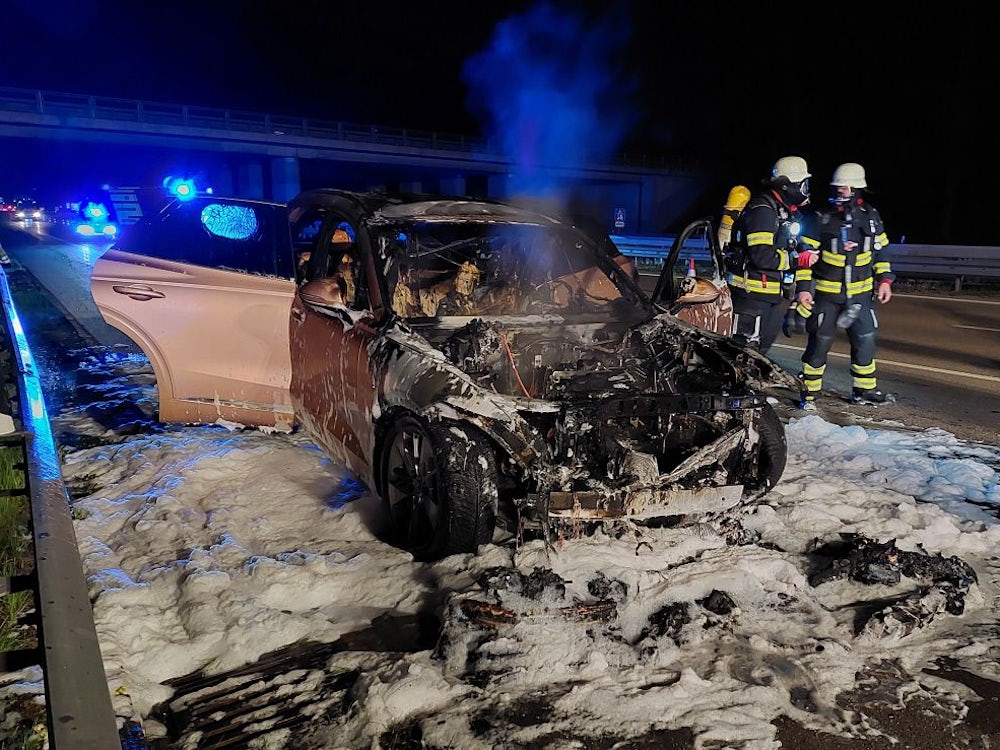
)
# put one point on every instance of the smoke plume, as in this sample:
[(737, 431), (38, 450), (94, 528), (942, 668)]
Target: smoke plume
[(552, 90)]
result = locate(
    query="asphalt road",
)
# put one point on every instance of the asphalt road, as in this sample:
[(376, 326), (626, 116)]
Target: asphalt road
[(939, 354)]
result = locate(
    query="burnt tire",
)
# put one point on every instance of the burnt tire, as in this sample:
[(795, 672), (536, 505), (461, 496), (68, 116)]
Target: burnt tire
[(439, 488), (773, 452)]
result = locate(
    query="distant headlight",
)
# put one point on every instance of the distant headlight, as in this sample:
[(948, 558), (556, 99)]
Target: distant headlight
[(21, 215), (110, 230), (85, 229)]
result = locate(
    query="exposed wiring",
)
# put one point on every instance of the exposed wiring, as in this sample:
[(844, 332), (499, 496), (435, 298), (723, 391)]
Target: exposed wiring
[(513, 364)]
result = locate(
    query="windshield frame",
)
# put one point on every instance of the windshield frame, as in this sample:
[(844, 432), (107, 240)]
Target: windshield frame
[(488, 268)]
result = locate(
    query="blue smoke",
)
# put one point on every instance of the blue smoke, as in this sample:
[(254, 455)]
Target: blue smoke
[(552, 90)]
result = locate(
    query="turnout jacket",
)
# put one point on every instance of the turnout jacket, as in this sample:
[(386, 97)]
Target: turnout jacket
[(766, 239), (843, 274)]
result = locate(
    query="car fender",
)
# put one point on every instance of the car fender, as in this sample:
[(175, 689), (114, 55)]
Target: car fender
[(421, 380)]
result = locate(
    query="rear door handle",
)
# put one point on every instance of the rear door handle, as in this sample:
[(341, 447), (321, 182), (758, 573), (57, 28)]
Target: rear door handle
[(139, 292)]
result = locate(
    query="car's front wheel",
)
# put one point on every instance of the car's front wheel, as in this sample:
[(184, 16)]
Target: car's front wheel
[(439, 486)]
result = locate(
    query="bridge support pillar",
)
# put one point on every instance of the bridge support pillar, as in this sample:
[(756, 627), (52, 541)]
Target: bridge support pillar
[(453, 185), (222, 181), (285, 183), (250, 180), (498, 186)]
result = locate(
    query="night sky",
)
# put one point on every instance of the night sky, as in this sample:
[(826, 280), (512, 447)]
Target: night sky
[(904, 93)]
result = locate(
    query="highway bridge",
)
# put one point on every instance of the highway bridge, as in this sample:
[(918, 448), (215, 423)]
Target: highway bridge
[(262, 155)]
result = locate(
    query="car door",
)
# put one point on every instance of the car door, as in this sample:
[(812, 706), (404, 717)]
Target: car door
[(332, 335), (210, 310), (692, 283)]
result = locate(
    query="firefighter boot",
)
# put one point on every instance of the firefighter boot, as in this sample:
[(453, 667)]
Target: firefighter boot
[(807, 400), (871, 397)]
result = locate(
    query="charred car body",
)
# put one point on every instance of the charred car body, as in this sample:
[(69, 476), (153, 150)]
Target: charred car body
[(473, 362)]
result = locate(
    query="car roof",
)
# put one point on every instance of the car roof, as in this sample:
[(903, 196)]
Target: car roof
[(422, 207)]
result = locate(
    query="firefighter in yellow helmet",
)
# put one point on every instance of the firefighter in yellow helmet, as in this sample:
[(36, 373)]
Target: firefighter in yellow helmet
[(852, 272), (764, 247)]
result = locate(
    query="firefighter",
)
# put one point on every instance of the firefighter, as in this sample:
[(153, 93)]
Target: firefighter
[(851, 272), (765, 243)]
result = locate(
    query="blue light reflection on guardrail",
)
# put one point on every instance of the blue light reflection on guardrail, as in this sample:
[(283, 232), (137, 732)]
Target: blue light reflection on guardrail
[(38, 414), (79, 711)]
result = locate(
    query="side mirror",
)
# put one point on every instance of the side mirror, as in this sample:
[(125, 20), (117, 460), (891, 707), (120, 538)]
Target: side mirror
[(325, 292)]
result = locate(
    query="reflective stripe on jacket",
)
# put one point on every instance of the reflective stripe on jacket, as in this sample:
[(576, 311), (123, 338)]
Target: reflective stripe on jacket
[(764, 242), (844, 273)]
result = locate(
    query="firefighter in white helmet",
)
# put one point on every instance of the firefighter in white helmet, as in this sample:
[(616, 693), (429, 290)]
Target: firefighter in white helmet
[(764, 249), (851, 272)]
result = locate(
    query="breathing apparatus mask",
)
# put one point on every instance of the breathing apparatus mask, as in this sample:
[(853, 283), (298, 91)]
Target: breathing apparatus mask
[(849, 175), (838, 199), (790, 178), (792, 193)]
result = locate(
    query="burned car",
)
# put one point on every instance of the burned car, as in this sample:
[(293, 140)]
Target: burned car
[(475, 363)]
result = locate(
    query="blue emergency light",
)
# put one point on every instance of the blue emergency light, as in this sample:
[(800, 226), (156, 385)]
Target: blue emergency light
[(183, 189)]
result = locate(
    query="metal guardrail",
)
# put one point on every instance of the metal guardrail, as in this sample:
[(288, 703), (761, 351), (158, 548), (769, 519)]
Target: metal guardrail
[(648, 253), (61, 104), (954, 262), (80, 714)]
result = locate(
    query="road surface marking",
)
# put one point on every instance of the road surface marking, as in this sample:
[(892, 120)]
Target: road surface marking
[(925, 368), (947, 299), (979, 328)]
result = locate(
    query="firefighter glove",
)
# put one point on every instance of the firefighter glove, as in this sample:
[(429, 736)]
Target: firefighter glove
[(807, 258)]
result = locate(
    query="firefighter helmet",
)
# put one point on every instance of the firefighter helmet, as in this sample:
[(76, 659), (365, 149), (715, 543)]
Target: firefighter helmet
[(849, 174), (789, 169), (790, 176)]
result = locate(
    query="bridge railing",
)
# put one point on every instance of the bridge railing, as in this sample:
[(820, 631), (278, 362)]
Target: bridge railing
[(182, 115), (67, 105)]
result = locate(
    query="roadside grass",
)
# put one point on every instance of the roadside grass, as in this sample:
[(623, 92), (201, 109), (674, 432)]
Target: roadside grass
[(23, 726), (15, 550)]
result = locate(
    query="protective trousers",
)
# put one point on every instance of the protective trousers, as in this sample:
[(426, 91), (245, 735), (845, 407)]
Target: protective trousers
[(756, 323), (822, 329)]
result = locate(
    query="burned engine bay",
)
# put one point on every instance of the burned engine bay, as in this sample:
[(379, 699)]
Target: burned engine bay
[(548, 360), (635, 418)]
